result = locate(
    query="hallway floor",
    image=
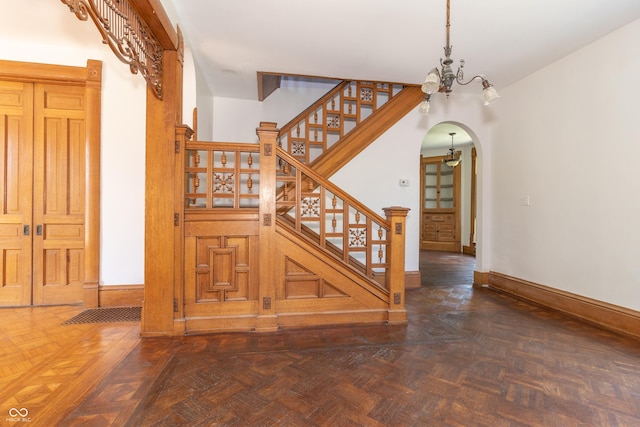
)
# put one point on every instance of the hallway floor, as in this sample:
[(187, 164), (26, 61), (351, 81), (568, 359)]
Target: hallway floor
[(468, 357)]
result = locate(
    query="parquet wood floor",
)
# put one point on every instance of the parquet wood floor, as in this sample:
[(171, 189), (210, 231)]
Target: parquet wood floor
[(469, 357)]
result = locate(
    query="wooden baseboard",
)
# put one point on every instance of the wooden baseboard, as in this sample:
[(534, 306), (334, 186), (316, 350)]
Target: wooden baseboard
[(608, 316), (480, 278), (412, 280), (90, 297), (121, 295)]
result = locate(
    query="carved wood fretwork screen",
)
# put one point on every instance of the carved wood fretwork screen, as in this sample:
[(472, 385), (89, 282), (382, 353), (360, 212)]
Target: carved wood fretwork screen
[(222, 175), (126, 34)]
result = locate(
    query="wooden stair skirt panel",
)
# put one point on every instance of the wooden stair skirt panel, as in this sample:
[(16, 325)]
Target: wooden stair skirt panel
[(315, 290), (312, 287)]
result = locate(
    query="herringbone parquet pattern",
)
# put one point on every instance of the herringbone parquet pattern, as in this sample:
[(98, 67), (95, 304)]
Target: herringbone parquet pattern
[(469, 357)]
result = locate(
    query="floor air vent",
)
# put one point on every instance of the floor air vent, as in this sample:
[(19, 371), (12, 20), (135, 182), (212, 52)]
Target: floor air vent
[(106, 315)]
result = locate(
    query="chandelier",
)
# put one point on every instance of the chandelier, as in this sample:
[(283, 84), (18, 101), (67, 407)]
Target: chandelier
[(451, 159), (442, 80)]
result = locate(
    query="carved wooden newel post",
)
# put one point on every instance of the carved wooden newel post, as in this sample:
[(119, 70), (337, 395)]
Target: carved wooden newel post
[(267, 319), (397, 217)]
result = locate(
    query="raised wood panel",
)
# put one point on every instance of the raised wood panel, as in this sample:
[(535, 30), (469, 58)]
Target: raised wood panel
[(223, 269), (64, 232), (12, 267), (16, 188), (344, 281), (63, 162), (57, 99), (301, 283), (221, 278), (11, 99), (63, 267), (10, 231)]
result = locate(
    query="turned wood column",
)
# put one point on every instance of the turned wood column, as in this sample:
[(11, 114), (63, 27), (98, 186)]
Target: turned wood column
[(397, 217), (267, 319)]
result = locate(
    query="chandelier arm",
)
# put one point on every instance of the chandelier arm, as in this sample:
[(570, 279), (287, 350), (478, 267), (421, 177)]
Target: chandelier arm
[(460, 82)]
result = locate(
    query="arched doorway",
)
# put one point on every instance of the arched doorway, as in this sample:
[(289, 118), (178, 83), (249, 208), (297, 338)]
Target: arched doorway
[(448, 193), (448, 205)]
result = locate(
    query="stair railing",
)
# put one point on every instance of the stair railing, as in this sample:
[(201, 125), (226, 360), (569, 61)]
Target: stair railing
[(333, 116), (223, 175), (337, 222), (226, 175)]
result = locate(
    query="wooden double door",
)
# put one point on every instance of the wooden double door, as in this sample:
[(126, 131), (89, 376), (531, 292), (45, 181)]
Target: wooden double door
[(43, 169)]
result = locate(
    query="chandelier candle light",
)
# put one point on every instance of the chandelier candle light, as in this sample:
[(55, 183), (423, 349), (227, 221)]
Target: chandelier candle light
[(442, 80)]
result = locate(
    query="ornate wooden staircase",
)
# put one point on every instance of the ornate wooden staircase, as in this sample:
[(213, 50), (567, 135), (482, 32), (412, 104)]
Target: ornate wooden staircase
[(270, 243)]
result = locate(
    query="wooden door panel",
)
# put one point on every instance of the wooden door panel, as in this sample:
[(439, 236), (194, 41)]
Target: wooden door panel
[(59, 183), (446, 233), (16, 159), (62, 272), (220, 272)]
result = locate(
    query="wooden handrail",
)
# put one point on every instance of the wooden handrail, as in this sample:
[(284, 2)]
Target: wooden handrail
[(323, 124), (311, 108), (334, 189), (368, 131), (352, 224)]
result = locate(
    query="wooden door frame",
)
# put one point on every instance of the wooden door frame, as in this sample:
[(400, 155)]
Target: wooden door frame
[(91, 78), (457, 244), (471, 248)]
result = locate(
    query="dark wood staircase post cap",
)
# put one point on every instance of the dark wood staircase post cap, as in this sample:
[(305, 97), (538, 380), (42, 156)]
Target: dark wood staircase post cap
[(267, 126), (396, 211)]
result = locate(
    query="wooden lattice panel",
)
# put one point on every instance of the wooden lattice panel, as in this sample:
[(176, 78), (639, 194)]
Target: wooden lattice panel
[(221, 177)]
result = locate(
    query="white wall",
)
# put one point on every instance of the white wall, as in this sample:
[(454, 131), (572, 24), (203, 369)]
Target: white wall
[(236, 120), (569, 138), (44, 31)]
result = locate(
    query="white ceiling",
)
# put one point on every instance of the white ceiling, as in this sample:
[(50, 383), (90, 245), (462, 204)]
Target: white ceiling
[(385, 40)]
